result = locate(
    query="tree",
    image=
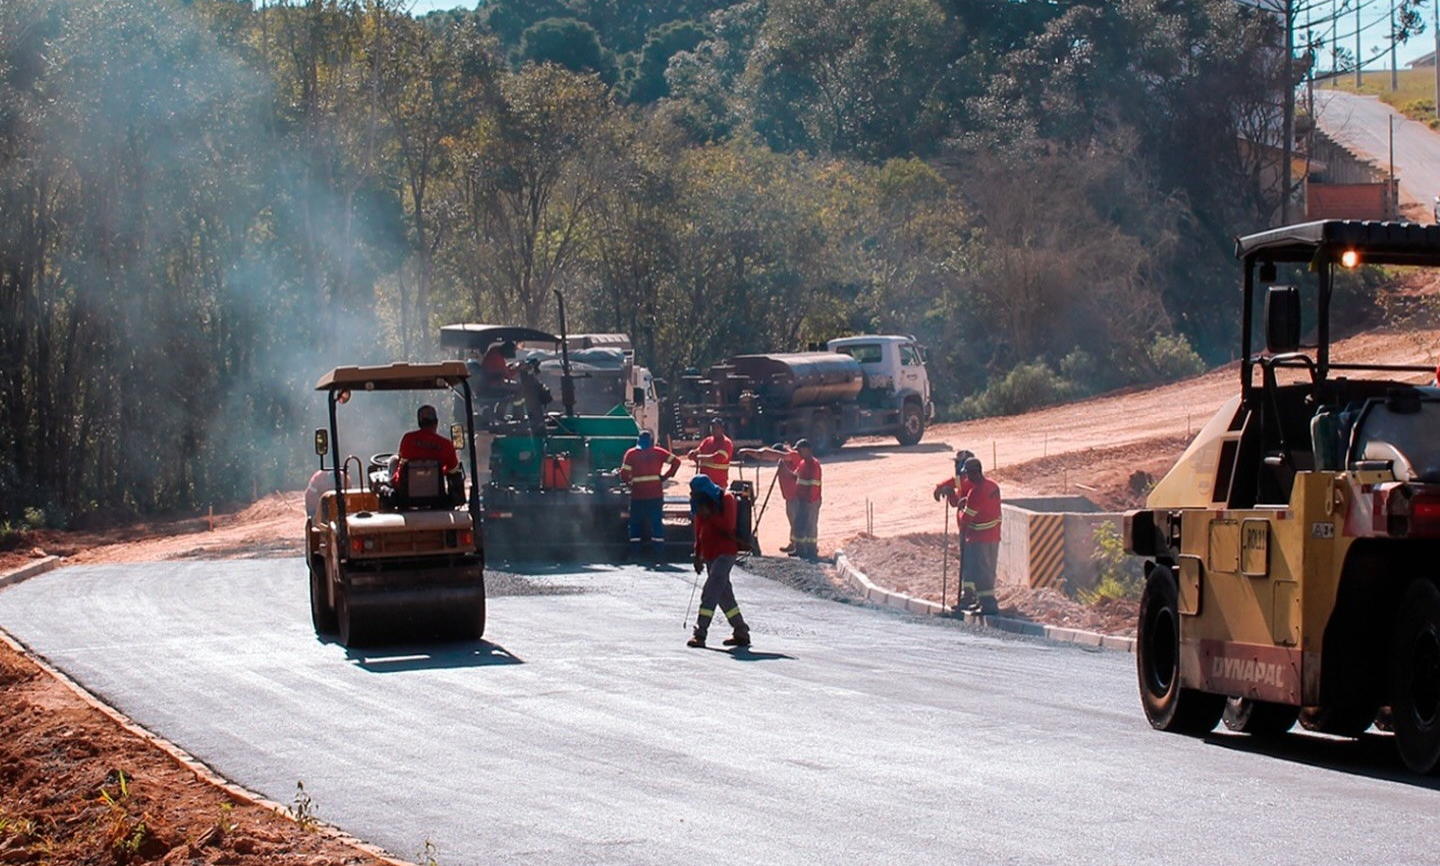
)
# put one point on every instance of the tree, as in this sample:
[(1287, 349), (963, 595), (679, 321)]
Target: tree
[(528, 179), (853, 76), (568, 43), (665, 42), (435, 85)]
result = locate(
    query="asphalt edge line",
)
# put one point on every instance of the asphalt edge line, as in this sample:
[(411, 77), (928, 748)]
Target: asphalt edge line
[(889, 598), (177, 754)]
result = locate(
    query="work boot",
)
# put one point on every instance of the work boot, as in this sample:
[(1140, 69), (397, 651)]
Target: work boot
[(741, 638), (789, 548), (697, 639)]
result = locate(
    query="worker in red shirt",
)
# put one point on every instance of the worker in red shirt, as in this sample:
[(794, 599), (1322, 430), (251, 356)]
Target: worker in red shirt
[(425, 444), (714, 517), (954, 488), (712, 456), (645, 468), (980, 531), (788, 460), (807, 495), (495, 365)]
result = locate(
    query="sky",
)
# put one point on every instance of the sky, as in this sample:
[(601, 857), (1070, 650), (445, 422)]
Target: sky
[(1374, 22)]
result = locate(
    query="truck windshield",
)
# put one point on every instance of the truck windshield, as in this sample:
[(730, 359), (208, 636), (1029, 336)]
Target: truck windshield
[(865, 354)]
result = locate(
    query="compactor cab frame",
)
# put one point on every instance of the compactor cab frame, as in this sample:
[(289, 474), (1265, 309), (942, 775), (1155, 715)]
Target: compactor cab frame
[(390, 563), (1291, 552)]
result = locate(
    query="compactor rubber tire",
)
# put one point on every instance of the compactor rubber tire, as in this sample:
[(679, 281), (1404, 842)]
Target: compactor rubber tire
[(1258, 718), (1415, 677), (1167, 706), (322, 613), (912, 425)]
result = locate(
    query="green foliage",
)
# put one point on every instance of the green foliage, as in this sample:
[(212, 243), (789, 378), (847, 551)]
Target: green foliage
[(302, 809), (427, 856), (571, 44), (1171, 358), (127, 833), (649, 84), (1027, 386), (1119, 573)]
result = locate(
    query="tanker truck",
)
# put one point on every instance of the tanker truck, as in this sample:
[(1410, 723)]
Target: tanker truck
[(870, 385)]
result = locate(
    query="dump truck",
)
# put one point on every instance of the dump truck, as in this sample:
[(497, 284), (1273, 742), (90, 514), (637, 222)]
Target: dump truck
[(387, 560), (1289, 554), (870, 385)]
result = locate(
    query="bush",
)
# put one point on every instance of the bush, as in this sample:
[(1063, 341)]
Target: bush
[(1027, 386), (1120, 574), (1172, 357)]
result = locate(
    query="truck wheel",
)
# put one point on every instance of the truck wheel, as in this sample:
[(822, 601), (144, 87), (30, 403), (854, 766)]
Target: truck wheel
[(912, 425), (1415, 677), (822, 434), (1157, 662), (322, 613), (1258, 718)]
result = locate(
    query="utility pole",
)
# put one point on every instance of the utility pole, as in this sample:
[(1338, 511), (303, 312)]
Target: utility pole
[(1359, 63), (1288, 122), (1436, 57), (1394, 65)]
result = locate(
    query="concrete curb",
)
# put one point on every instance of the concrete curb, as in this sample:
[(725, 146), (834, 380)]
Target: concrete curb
[(25, 572), (888, 598)]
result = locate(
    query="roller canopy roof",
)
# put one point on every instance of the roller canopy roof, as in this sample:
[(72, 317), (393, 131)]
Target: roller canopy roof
[(1387, 243), (481, 337), (394, 377)]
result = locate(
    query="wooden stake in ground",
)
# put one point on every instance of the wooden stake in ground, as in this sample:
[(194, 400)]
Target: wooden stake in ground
[(945, 557)]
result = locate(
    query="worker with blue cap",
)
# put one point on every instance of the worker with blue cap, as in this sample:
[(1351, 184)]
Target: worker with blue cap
[(716, 546), (645, 468)]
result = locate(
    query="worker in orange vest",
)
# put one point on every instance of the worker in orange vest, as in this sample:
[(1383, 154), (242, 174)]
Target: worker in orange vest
[(980, 531), (953, 489), (716, 546), (788, 460), (807, 496), (712, 456), (645, 468)]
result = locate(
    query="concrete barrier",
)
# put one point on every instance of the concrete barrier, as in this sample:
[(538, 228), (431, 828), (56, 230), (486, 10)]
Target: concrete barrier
[(1050, 542)]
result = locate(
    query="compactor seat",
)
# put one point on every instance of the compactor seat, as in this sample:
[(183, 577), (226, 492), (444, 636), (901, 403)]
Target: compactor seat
[(422, 486)]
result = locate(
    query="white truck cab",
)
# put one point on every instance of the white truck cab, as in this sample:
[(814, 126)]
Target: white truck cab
[(891, 363)]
